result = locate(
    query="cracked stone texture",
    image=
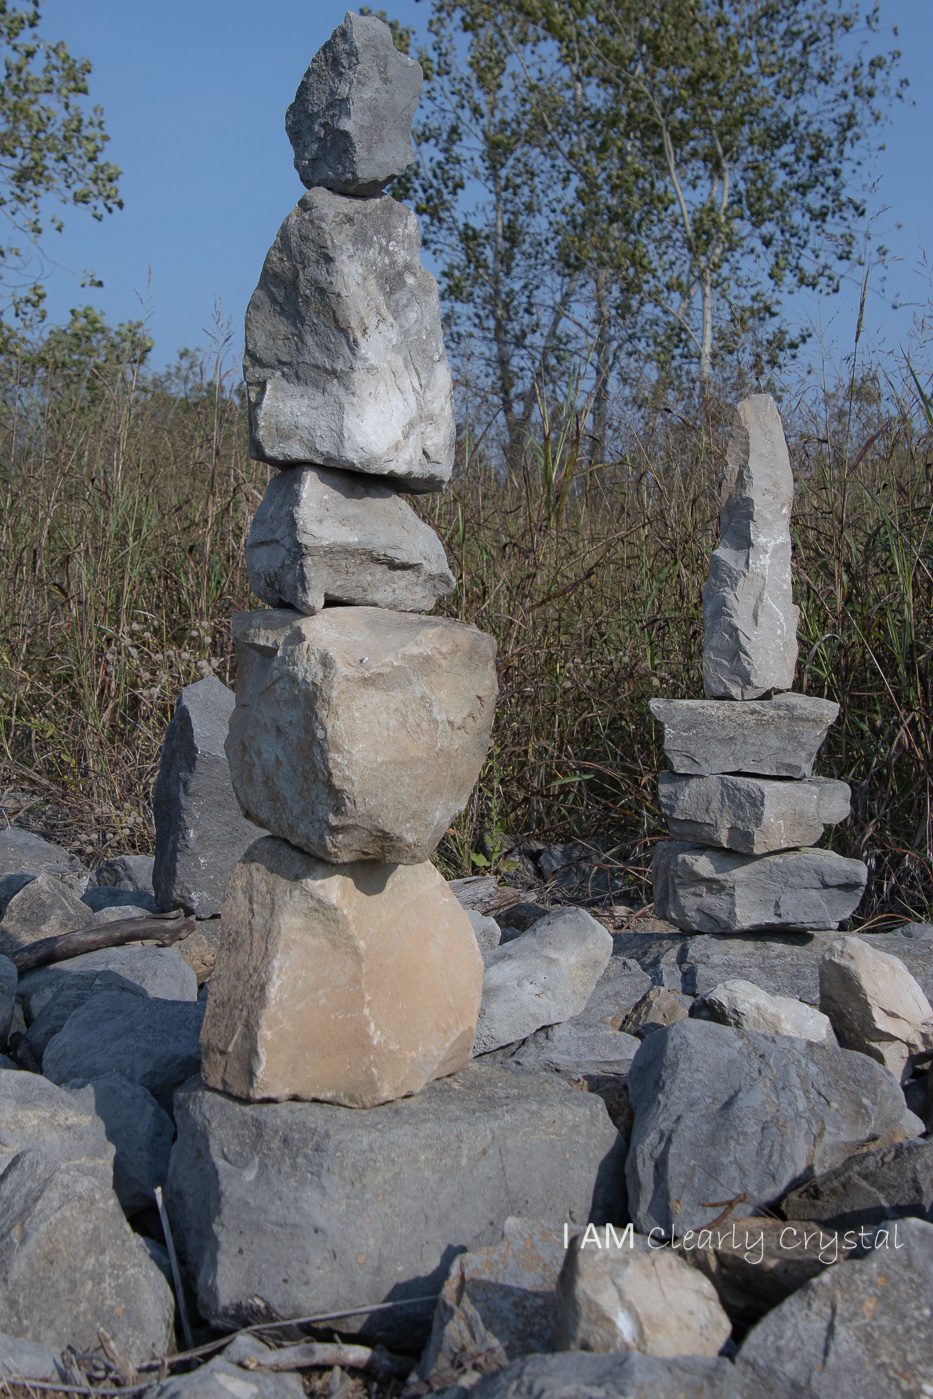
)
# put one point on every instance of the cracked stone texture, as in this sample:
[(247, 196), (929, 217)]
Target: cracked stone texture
[(335, 536), (870, 1187), (746, 1006), (24, 855), (359, 733), (752, 815), (875, 1005), (779, 737), (345, 363), (749, 618), (350, 122)]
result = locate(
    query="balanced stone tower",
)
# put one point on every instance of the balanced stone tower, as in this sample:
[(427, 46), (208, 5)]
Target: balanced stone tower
[(741, 801), (347, 971)]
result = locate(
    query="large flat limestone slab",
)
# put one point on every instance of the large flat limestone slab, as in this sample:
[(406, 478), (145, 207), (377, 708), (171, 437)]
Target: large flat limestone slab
[(779, 737)]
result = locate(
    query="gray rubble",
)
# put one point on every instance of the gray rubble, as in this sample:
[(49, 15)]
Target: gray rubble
[(45, 907), (159, 971), (869, 1188), (779, 737), (753, 815), (24, 855), (875, 1005), (747, 1007)]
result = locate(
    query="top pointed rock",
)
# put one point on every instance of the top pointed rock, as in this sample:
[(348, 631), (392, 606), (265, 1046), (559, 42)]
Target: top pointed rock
[(350, 122), (749, 619)]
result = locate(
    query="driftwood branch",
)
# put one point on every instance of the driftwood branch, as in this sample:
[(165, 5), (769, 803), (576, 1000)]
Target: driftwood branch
[(312, 1355), (161, 928)]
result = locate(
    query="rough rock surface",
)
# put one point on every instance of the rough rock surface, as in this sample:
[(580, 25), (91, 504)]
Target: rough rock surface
[(860, 1329), (353, 984), (130, 873), (779, 737), (869, 1188), (8, 980), (486, 930), (657, 1007), (38, 1115), (71, 993), (746, 1007), (543, 977), (335, 536), (24, 1360), (727, 1121), (301, 1208), (577, 1050), (350, 122), (717, 891), (200, 831), (159, 971), (345, 361), (24, 855), (44, 908), (622, 984), (221, 1378), (140, 1132), (577, 1375), (753, 815), (875, 1005), (358, 734), (749, 619)]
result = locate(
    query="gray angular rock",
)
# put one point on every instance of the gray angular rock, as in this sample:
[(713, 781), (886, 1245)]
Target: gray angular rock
[(860, 1329), (577, 1375), (200, 830), (486, 930), (70, 994), (160, 971), (345, 363), (130, 873), (150, 1042), (753, 815), (726, 1121), (301, 1208), (869, 1188), (24, 1360), (39, 1116), (779, 737), (76, 1266), (24, 855), (8, 979), (749, 619), (140, 1133), (623, 982), (350, 122), (335, 536), (704, 890), (656, 1008), (543, 977), (44, 908), (102, 899), (747, 1007), (875, 1005), (358, 734), (577, 1050), (221, 1379)]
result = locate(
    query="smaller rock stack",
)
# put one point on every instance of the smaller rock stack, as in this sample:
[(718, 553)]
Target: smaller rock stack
[(347, 971), (741, 801)]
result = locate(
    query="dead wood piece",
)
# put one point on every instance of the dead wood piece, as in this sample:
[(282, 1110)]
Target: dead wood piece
[(161, 928), (324, 1355), (482, 894)]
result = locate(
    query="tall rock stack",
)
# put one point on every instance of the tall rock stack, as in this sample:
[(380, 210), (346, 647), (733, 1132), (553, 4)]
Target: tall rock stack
[(347, 971), (741, 801)]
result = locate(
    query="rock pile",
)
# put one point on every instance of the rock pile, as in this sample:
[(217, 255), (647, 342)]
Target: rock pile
[(346, 971), (741, 801)]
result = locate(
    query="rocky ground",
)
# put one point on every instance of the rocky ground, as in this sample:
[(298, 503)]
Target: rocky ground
[(677, 1164)]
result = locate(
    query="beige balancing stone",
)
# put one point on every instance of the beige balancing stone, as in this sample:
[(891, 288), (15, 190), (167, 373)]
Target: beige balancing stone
[(353, 985)]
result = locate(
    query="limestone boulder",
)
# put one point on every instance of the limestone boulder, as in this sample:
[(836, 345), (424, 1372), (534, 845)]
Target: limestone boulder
[(345, 363), (753, 815), (335, 536), (875, 1005), (352, 984), (746, 1006), (44, 908), (779, 737), (24, 855), (359, 733)]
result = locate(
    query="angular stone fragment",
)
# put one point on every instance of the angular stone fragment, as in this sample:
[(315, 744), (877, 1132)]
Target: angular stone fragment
[(350, 122), (875, 1005), (335, 536), (359, 734), (24, 855), (159, 971), (303, 1208), (656, 1008), (542, 977), (746, 1007), (487, 932), (141, 1134), (779, 737), (578, 1375), (71, 993), (577, 1051), (353, 984), (749, 619), (224, 1378), (8, 979), (621, 985), (345, 361), (753, 815), (38, 1115), (706, 890), (727, 1122), (869, 1188), (44, 908), (131, 873), (200, 830)]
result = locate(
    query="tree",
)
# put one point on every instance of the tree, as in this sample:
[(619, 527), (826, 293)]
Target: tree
[(51, 152)]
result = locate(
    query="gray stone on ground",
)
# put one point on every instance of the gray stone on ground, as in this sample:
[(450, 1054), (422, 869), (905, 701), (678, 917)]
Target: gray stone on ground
[(868, 1188), (656, 1008), (24, 855), (577, 1375), (749, 618), (779, 737), (345, 363), (140, 1132), (160, 971), (875, 1005), (200, 830), (350, 122), (75, 1266), (728, 1121), (102, 898), (753, 815), (70, 994), (543, 977), (746, 1006), (44, 908), (576, 1050), (221, 1378), (622, 983), (703, 890), (131, 873), (860, 1329), (359, 733), (486, 930), (8, 980), (323, 536), (293, 1209), (24, 1360), (37, 1115)]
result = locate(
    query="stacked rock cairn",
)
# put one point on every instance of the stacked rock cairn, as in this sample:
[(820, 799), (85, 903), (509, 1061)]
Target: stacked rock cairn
[(740, 801), (347, 971)]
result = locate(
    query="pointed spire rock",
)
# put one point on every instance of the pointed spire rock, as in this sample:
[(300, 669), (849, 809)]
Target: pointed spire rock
[(350, 122), (749, 619)]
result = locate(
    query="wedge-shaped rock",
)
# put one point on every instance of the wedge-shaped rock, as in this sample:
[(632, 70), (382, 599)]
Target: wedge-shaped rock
[(875, 1005), (869, 1188), (345, 361), (358, 734), (38, 1115), (745, 1006), (44, 908), (749, 619), (332, 536), (716, 891), (200, 832), (350, 122), (779, 737), (753, 815), (354, 984), (24, 855)]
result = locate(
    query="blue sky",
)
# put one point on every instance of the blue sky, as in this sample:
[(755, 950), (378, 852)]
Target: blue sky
[(195, 95)]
